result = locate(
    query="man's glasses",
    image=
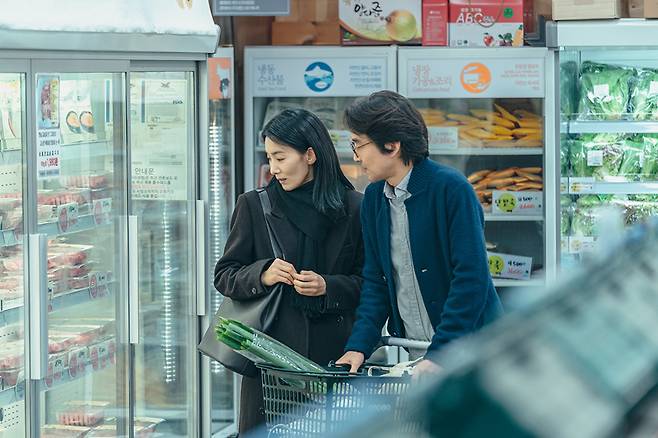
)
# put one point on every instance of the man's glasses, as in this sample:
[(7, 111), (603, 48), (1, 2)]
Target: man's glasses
[(354, 146)]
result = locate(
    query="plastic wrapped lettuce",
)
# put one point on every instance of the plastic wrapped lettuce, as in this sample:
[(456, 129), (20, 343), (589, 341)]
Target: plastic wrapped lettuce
[(565, 215), (650, 163), (633, 159), (605, 91), (599, 156), (586, 214), (644, 95), (568, 88), (564, 155)]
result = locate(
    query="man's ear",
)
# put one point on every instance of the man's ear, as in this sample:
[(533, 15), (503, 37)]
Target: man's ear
[(393, 148)]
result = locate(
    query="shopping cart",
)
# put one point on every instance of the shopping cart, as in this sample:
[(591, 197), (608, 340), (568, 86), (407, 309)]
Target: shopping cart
[(301, 404)]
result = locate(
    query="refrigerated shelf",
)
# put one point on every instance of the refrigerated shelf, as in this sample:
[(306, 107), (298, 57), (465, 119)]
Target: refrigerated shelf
[(61, 301), (488, 151), (612, 126), (579, 187), (504, 282), (85, 223), (511, 218)]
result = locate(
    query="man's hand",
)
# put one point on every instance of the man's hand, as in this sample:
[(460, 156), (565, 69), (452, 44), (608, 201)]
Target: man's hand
[(309, 283), (426, 368), (352, 358), (279, 271)]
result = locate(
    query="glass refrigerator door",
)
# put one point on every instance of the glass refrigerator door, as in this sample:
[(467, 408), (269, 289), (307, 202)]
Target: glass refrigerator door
[(609, 144), (329, 110), (162, 193), (80, 146), (12, 298), (220, 204)]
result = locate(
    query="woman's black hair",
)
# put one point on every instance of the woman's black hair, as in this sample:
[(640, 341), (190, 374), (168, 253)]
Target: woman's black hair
[(385, 117), (301, 129)]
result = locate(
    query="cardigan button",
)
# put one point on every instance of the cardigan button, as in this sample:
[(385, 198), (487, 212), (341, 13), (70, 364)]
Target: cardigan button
[(253, 290)]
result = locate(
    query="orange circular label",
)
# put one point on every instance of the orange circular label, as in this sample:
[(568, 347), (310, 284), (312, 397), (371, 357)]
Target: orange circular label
[(475, 77)]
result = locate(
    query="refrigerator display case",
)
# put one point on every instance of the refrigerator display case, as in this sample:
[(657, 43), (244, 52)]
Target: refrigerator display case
[(490, 115), (218, 192), (608, 131), (323, 80), (99, 299)]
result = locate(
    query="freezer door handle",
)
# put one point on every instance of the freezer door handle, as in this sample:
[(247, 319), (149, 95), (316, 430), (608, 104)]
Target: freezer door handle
[(133, 280), (201, 258), (38, 311)]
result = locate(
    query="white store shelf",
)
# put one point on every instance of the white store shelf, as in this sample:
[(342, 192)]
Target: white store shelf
[(612, 126), (512, 218), (487, 151)]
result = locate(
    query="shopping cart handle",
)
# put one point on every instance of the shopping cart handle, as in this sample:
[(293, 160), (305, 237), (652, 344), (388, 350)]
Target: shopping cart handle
[(405, 343), (343, 367)]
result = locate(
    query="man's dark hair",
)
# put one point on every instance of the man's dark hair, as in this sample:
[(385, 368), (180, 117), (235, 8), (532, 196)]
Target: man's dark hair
[(385, 117)]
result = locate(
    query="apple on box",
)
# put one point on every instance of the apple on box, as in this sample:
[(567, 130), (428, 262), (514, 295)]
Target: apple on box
[(381, 22)]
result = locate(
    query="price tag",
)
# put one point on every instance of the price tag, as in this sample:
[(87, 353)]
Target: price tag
[(67, 216), (581, 185), (97, 285), (77, 362), (446, 137), (581, 244), (601, 90), (102, 209), (564, 185), (517, 203), (653, 87), (595, 158), (341, 138)]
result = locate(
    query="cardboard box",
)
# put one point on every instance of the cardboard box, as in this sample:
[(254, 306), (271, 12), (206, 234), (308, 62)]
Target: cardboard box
[(383, 22), (509, 266), (486, 23), (650, 8), (435, 22), (587, 9), (314, 10), (305, 33), (636, 8)]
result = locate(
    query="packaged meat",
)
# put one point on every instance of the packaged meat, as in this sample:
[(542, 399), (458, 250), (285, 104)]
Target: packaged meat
[(58, 342), (10, 376), (12, 264), (80, 334), (67, 254), (61, 197), (12, 354), (88, 181), (80, 270), (145, 426), (104, 430), (82, 413), (63, 431), (102, 193), (78, 282)]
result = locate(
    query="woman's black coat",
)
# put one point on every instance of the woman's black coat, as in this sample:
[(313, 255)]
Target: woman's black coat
[(248, 253)]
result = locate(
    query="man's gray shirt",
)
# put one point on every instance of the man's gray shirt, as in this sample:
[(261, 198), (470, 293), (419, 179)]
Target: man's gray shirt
[(417, 324)]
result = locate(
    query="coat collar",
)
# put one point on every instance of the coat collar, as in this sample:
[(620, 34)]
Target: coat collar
[(419, 177), (287, 234)]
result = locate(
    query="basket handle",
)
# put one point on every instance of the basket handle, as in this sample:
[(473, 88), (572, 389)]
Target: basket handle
[(343, 368)]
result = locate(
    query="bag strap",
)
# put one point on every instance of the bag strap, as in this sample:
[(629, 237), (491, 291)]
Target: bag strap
[(267, 210)]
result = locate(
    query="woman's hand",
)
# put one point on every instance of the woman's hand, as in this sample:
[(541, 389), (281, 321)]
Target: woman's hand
[(310, 284), (279, 271)]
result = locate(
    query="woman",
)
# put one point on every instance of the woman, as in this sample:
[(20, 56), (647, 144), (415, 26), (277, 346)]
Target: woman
[(315, 216)]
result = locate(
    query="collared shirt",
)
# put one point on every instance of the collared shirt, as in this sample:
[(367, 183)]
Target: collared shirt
[(417, 324)]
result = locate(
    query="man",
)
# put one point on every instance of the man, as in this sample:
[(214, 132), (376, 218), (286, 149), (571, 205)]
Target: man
[(426, 268)]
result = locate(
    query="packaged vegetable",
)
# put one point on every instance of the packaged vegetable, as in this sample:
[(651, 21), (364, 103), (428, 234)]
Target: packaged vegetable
[(605, 91), (644, 95)]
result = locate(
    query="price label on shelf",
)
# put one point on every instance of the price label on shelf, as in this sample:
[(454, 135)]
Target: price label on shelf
[(102, 208), (517, 203), (653, 87), (564, 185), (579, 244), (446, 137), (67, 217), (97, 285), (581, 185)]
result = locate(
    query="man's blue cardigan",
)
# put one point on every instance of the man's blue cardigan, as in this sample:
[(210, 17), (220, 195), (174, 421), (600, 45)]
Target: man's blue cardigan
[(446, 227)]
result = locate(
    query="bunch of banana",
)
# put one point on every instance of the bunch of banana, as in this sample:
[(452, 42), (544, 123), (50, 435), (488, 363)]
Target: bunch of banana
[(512, 179), (491, 128)]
